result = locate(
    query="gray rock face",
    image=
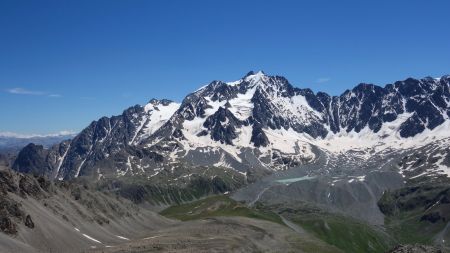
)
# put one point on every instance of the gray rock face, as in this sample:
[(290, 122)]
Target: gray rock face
[(107, 142), (222, 126), (33, 159), (415, 249)]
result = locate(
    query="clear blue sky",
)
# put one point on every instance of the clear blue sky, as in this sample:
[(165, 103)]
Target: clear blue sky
[(66, 63)]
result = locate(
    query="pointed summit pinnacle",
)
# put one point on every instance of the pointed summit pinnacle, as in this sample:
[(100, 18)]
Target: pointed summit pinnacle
[(252, 73)]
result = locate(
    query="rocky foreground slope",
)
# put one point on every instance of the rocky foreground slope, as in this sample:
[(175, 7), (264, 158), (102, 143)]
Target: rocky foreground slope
[(37, 215)]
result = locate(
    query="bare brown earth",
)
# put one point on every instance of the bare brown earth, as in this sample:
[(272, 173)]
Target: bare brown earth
[(223, 234)]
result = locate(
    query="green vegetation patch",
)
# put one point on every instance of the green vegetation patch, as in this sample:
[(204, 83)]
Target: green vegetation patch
[(220, 205), (407, 228), (345, 233), (417, 213)]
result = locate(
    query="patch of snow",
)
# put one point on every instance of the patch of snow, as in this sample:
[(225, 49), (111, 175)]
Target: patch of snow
[(241, 106), (442, 168), (79, 167), (138, 129), (152, 237), (387, 137), (420, 175), (157, 116), (222, 162), (289, 142), (82, 163), (92, 239), (156, 172), (128, 164), (121, 237), (361, 178), (60, 162), (255, 78)]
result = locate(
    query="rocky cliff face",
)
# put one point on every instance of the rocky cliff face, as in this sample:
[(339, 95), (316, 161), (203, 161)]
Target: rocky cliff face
[(105, 141)]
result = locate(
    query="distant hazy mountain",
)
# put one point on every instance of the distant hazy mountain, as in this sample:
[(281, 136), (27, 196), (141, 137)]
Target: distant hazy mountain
[(12, 142)]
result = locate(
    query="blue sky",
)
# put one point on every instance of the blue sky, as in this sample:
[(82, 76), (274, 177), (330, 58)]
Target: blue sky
[(66, 63)]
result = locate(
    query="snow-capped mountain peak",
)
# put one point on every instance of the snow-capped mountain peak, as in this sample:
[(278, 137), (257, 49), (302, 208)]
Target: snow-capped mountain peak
[(158, 113), (255, 77)]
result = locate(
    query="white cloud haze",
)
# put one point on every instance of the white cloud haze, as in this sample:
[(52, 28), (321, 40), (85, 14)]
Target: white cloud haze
[(20, 135), (24, 91), (322, 80)]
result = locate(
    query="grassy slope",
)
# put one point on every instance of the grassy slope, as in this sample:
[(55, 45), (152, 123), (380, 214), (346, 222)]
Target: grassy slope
[(220, 205), (408, 229), (348, 235), (320, 239), (168, 187), (406, 208)]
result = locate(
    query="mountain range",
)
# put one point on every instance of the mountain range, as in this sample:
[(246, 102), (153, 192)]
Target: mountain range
[(377, 155), (256, 125)]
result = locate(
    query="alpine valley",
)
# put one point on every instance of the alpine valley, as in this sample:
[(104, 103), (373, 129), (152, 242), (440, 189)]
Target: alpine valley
[(253, 165)]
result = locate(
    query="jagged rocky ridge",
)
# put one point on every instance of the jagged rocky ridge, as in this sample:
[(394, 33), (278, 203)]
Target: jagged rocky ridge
[(254, 126)]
